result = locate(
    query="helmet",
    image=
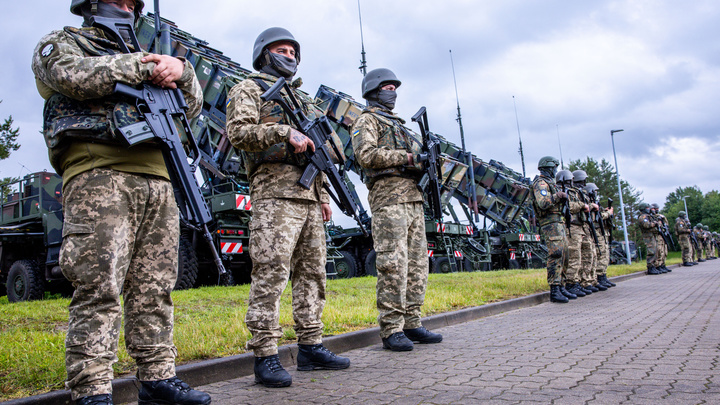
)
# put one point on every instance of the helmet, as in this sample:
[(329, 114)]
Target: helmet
[(270, 36), (76, 4), (705, 227), (377, 77), (655, 206), (549, 162), (682, 213), (699, 225), (564, 176), (643, 206), (591, 188), (579, 175)]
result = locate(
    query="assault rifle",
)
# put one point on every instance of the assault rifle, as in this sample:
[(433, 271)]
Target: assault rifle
[(566, 208), (163, 110), (664, 231), (694, 240), (598, 215), (430, 157), (610, 223), (588, 219), (319, 131)]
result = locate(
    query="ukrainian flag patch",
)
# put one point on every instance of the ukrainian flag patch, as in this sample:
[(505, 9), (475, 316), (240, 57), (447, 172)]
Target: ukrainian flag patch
[(357, 131)]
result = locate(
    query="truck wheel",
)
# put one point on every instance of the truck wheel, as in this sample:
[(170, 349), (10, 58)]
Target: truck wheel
[(467, 264), (441, 265), (25, 282), (370, 269), (187, 265), (347, 266), (513, 264)]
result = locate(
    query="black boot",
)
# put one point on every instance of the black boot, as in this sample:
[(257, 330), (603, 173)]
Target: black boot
[(591, 288), (653, 271), (422, 335), (687, 264), (397, 342), (701, 260), (567, 293), (600, 286), (101, 399), (270, 373), (660, 269), (586, 290), (575, 289), (667, 270), (607, 281), (556, 295), (318, 357), (170, 391)]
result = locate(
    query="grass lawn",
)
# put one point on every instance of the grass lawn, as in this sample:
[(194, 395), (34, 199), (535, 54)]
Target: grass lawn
[(209, 321)]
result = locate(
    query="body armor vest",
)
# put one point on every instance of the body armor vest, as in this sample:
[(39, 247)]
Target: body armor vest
[(394, 136)]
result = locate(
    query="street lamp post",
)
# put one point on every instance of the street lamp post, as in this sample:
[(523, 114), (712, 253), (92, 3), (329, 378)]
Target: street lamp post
[(622, 206)]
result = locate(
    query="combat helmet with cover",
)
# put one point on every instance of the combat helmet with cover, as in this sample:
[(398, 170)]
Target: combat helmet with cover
[(375, 78), (548, 165), (591, 188), (75, 6), (564, 176), (682, 214), (267, 37), (643, 207)]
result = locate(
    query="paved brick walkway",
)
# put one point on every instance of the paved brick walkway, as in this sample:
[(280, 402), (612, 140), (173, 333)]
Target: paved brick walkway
[(650, 340)]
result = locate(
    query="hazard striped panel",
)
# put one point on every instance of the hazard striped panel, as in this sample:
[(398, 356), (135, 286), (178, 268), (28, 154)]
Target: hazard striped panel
[(512, 256), (242, 202), (469, 230), (521, 237), (430, 253), (231, 247), (537, 238), (458, 254), (440, 227)]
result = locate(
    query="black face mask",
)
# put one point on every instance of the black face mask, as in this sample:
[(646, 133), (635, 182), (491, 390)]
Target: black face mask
[(279, 65), (108, 11), (387, 98)]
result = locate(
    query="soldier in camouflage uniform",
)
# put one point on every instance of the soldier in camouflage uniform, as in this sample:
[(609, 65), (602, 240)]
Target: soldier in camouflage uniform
[(549, 202), (709, 246), (682, 229), (121, 225), (287, 239), (579, 239), (387, 154), (661, 243), (648, 226), (589, 254), (698, 232), (600, 218)]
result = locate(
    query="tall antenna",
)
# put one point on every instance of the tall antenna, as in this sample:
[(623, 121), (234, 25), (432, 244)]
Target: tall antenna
[(520, 150), (363, 62), (562, 165), (468, 156)]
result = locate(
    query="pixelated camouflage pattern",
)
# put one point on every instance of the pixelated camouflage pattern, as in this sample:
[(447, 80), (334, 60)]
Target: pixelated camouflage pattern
[(548, 210), (260, 130), (682, 229), (648, 226), (576, 204), (374, 146), (699, 251), (120, 236), (402, 265), (577, 243), (286, 235), (588, 258)]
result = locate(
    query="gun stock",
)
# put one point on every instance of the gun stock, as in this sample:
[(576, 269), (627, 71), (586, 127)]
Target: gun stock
[(429, 184)]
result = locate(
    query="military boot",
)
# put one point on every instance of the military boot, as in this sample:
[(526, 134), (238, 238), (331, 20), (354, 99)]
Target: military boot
[(170, 391), (605, 281), (701, 260), (586, 290), (591, 288), (567, 293), (556, 295), (687, 264), (422, 335), (575, 289), (102, 399), (600, 287), (660, 269), (653, 271), (318, 357), (270, 373), (667, 270), (397, 342)]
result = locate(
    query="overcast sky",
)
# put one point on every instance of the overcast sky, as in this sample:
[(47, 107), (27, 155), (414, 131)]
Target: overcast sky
[(577, 69)]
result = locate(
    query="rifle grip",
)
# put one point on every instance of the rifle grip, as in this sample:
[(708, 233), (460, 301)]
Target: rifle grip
[(308, 176)]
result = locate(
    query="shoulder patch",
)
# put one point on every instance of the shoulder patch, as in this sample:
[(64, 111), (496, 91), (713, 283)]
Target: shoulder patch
[(47, 50), (543, 193), (356, 132)]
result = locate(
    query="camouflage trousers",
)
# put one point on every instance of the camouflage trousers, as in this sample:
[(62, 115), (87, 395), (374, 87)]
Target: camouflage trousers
[(603, 257), (662, 250), (653, 250), (287, 242), (555, 238), (578, 242), (699, 251), (402, 265), (120, 235), (686, 246), (589, 258)]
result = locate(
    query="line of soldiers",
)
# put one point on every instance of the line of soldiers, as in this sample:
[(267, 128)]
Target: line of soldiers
[(575, 229), (695, 241)]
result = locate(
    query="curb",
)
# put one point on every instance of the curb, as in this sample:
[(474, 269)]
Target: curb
[(241, 365)]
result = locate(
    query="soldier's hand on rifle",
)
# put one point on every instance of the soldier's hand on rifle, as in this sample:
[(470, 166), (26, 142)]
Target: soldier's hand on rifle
[(168, 69), (611, 210), (410, 159), (594, 207), (300, 142), (561, 195), (326, 212), (586, 208)]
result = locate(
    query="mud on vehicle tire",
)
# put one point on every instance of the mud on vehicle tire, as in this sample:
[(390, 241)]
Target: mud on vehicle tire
[(25, 281)]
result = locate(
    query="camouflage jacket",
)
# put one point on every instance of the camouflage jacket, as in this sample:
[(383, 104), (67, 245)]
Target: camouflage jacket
[(681, 227), (548, 207), (255, 126), (577, 204), (75, 72), (379, 149), (648, 224)]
